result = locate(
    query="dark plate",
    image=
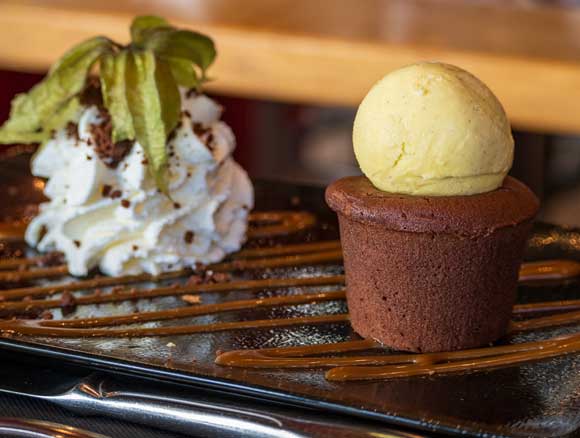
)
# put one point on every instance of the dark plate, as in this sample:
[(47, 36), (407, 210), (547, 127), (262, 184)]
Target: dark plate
[(541, 399)]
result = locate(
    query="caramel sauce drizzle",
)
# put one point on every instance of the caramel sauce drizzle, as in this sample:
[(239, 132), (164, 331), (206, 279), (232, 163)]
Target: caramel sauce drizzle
[(342, 368), (281, 223), (89, 327), (448, 363), (275, 262), (12, 230), (31, 328), (20, 263), (549, 270), (132, 294), (408, 365)]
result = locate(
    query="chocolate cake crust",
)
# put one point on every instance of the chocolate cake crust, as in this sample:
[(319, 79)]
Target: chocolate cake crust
[(431, 274), (355, 197)]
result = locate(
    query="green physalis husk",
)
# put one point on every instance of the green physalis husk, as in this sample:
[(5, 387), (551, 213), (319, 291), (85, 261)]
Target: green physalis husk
[(139, 83)]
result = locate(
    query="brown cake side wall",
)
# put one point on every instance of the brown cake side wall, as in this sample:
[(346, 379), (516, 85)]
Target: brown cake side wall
[(428, 292)]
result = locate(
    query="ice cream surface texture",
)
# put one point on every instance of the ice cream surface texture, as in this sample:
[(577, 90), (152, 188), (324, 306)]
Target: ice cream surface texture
[(112, 216), (433, 129)]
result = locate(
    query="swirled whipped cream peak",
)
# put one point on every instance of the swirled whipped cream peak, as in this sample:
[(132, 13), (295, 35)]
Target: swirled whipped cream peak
[(106, 211)]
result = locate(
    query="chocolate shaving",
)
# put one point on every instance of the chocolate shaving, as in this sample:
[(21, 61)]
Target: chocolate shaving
[(194, 280), (192, 92), (209, 142), (176, 205), (219, 277), (72, 130), (106, 190), (199, 129), (125, 203), (172, 134), (188, 236), (91, 94), (52, 259), (116, 194), (68, 303), (110, 153), (77, 243)]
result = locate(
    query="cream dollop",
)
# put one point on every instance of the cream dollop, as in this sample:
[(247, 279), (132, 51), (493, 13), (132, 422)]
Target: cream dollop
[(117, 220)]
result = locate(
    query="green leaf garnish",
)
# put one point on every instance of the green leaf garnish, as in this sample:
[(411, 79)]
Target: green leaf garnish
[(168, 95), (31, 111), (144, 23), (146, 109), (183, 72), (113, 88), (139, 85), (182, 44)]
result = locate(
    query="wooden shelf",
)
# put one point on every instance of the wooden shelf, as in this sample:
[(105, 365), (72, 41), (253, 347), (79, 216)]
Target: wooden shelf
[(329, 52)]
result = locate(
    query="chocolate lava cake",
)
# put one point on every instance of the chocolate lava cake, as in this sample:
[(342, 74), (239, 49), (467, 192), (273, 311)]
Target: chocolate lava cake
[(429, 274)]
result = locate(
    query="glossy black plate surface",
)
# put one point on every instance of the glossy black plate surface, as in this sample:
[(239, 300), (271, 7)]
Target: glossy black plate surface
[(541, 399)]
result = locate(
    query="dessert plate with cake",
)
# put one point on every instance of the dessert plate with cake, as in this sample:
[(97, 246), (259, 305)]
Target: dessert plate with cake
[(152, 253)]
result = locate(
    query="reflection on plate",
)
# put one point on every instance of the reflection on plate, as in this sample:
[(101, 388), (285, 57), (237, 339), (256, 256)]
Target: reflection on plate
[(302, 278)]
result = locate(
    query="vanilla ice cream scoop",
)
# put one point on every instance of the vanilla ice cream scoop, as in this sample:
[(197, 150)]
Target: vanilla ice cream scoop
[(433, 129)]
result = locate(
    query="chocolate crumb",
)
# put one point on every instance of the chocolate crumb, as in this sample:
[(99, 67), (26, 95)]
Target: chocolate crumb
[(125, 203), (106, 190), (194, 280), (135, 248), (172, 134), (209, 142), (89, 158), (52, 259), (192, 92), (176, 205), (220, 277), (145, 162), (110, 153), (188, 236), (77, 243), (68, 303), (91, 94), (116, 194), (199, 129), (72, 130)]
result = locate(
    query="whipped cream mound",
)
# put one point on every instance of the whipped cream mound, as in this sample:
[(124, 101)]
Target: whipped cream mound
[(108, 213)]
